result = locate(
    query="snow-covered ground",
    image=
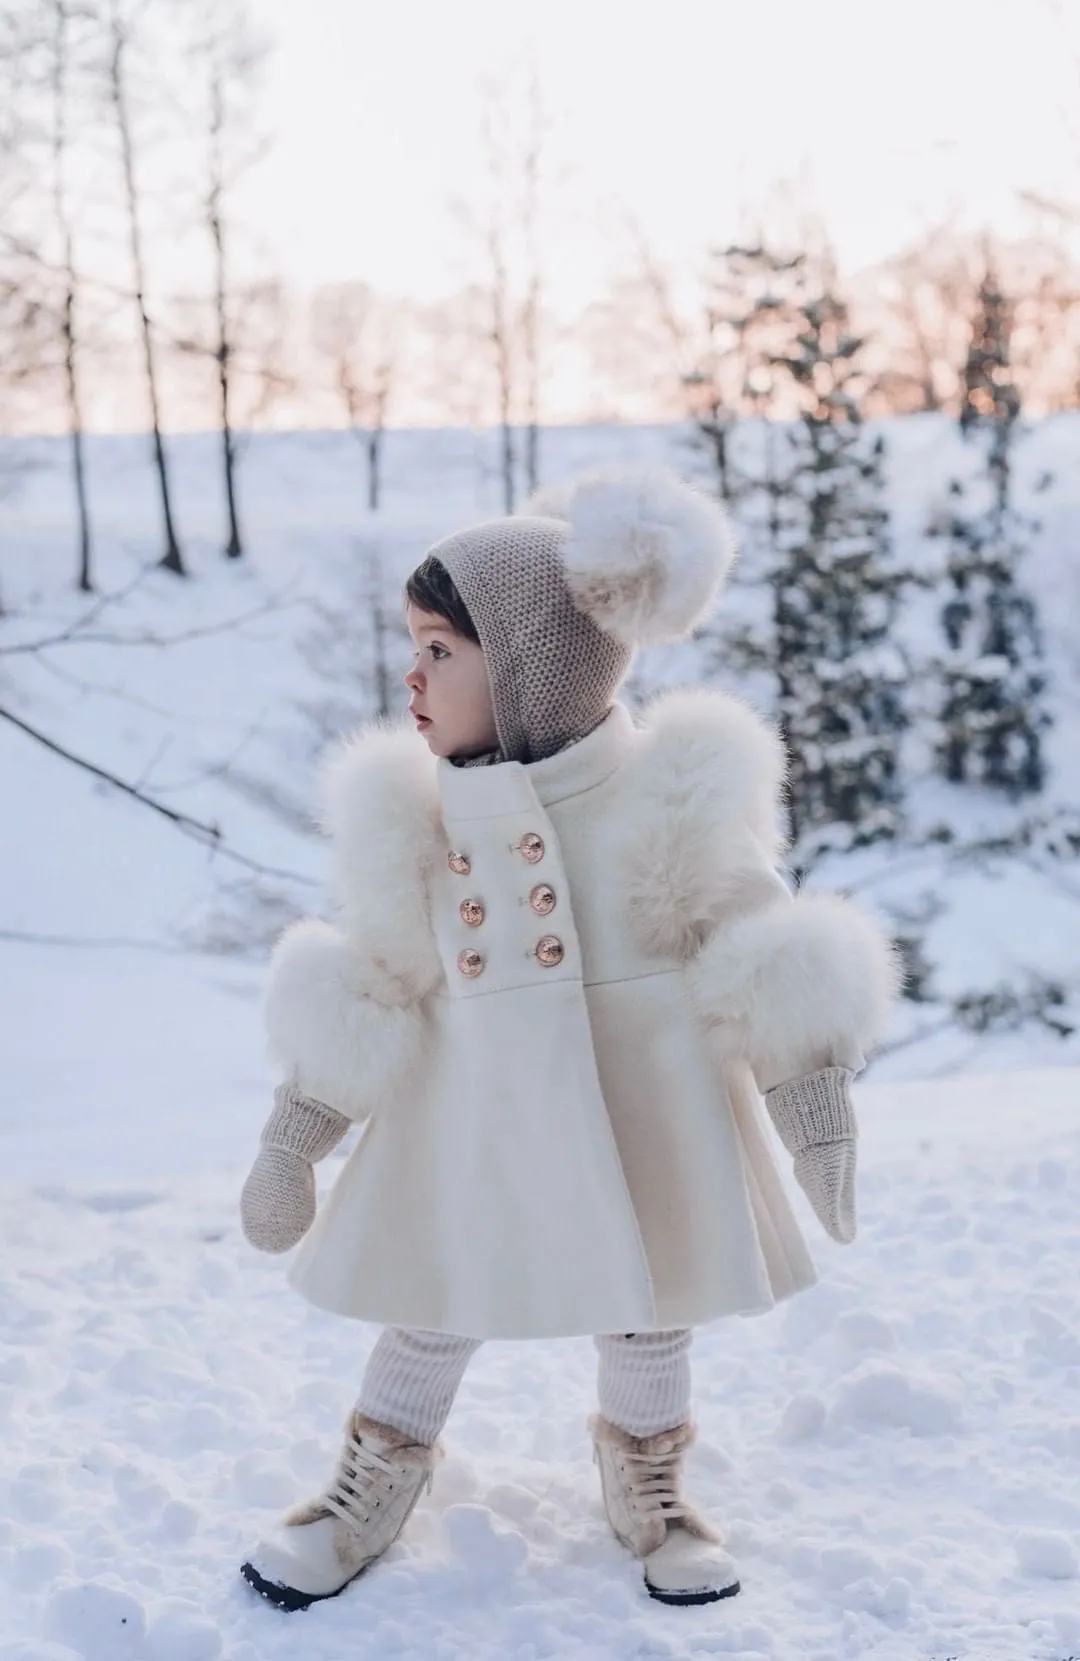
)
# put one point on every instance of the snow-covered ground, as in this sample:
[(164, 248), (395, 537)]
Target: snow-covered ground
[(896, 1453)]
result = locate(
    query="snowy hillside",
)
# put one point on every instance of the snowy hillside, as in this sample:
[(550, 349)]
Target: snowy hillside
[(897, 1453), (274, 656)]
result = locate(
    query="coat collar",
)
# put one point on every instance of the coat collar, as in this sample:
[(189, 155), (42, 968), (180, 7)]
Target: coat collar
[(510, 786)]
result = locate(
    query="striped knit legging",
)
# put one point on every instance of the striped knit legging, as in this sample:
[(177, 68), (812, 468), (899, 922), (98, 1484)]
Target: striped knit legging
[(412, 1378)]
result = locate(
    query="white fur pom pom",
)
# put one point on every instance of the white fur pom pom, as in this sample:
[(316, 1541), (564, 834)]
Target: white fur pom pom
[(646, 555)]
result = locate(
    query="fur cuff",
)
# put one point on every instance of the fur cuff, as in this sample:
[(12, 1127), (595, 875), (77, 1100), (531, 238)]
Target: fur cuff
[(416, 1457), (801, 985), (672, 1441), (667, 1445), (396, 1441), (325, 1032)]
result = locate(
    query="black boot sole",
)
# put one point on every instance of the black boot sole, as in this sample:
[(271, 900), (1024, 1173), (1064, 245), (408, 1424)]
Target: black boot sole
[(682, 1599), (287, 1597)]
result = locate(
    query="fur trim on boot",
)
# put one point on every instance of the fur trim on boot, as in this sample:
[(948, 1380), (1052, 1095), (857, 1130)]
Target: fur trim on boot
[(641, 1478), (322, 1545)]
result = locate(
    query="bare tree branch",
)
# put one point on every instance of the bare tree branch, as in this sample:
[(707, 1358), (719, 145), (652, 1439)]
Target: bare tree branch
[(209, 835), (75, 636), (1068, 212), (26, 937)]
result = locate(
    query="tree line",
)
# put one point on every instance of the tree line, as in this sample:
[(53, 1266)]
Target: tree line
[(806, 480), (126, 130), (781, 431)]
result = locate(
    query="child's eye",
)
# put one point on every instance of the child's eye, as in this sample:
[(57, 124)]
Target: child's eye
[(438, 652)]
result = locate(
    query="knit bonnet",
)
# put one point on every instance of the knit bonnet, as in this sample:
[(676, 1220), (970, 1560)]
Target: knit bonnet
[(562, 594)]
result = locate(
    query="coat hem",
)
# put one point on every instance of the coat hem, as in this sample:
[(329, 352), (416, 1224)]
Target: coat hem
[(503, 1332)]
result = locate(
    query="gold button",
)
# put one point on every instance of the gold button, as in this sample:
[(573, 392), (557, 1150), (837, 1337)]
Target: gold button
[(472, 912), (460, 864), (542, 899), (471, 963), (550, 951), (531, 847)]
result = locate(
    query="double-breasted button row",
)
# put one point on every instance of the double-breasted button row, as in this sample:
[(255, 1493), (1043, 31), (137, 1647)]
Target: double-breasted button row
[(548, 951), (531, 847), (542, 899)]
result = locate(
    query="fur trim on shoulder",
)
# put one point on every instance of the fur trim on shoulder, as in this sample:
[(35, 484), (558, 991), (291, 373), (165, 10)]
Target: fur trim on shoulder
[(800, 985), (734, 753), (700, 832), (327, 1033), (381, 811)]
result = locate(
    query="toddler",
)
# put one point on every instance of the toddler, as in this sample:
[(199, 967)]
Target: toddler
[(560, 974)]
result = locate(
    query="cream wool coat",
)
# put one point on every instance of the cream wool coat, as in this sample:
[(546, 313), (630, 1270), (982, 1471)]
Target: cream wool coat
[(577, 1146)]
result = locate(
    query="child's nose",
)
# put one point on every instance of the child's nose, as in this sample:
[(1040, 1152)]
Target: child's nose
[(414, 680)]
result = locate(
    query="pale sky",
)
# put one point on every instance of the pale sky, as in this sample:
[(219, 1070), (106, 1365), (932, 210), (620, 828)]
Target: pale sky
[(891, 116)]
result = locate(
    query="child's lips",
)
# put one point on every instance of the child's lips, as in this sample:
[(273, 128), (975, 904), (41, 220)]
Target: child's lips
[(422, 721)]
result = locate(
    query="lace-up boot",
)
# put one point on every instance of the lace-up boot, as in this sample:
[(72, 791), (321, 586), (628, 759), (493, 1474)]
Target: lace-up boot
[(641, 1477), (323, 1545)]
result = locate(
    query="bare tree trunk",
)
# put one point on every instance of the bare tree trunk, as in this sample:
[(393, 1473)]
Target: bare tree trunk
[(501, 330), (530, 347), (374, 463), (382, 386), (513, 282), (380, 656), (172, 559), (68, 331), (530, 316), (532, 447), (345, 318), (223, 353), (507, 458), (85, 582)]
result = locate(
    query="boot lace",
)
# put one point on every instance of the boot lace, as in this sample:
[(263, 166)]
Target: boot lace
[(652, 1483), (363, 1482)]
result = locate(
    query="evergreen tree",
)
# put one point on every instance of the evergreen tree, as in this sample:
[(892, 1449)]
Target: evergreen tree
[(992, 715), (988, 391), (808, 490), (751, 311), (836, 591)]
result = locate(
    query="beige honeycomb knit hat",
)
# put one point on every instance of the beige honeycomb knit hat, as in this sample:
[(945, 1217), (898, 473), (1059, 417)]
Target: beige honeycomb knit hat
[(562, 594)]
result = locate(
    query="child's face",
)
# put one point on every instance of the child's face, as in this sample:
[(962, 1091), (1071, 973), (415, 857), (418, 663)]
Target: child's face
[(451, 694)]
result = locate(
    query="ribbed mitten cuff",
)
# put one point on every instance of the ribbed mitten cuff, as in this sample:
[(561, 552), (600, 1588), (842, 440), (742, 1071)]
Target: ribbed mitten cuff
[(810, 1111), (303, 1126)]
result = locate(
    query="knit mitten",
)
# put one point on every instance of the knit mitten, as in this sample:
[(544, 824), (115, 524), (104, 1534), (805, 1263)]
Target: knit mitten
[(277, 1206), (815, 1121)]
